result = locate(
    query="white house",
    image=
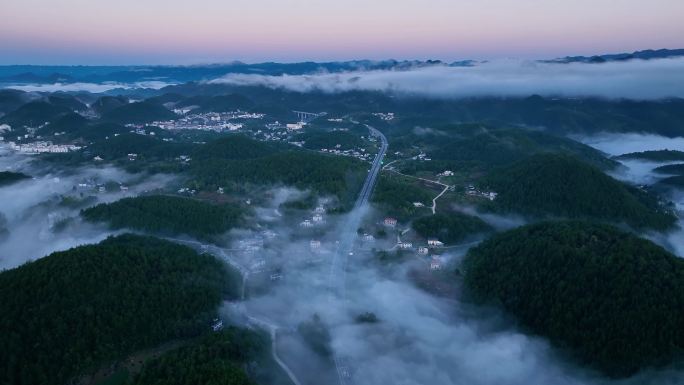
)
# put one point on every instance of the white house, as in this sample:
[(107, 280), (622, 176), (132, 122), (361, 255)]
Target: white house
[(434, 242)]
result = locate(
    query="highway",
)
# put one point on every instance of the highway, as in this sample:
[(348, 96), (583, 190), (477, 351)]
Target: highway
[(338, 266), (337, 278)]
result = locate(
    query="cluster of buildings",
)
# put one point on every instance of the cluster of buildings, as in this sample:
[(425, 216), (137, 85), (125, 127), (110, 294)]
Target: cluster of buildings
[(472, 191), (356, 153), (317, 219), (421, 157), (42, 147), (386, 116), (209, 121)]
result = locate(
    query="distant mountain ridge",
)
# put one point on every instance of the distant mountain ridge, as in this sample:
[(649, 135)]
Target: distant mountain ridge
[(36, 74), (648, 54)]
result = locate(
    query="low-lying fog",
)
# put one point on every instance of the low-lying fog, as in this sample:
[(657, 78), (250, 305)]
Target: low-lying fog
[(640, 172), (420, 338), (39, 221)]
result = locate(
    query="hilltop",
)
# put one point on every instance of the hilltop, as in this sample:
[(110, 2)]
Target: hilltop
[(548, 185), (588, 288), (92, 304)]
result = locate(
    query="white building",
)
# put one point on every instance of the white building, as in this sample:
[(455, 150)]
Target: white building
[(405, 245), (306, 223), (392, 222), (435, 242), (368, 238), (317, 218), (314, 244), (423, 250)]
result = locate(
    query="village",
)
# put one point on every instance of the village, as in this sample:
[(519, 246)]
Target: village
[(208, 121)]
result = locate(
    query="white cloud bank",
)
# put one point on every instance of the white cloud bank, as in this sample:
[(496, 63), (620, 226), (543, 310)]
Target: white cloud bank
[(88, 87), (636, 79)]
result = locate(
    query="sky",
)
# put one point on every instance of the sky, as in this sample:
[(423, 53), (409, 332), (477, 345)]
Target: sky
[(208, 31)]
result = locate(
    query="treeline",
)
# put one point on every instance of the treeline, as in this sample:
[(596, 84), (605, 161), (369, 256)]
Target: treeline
[(450, 227), (73, 311), (218, 359), (614, 299), (167, 215), (560, 186), (9, 177), (655, 155)]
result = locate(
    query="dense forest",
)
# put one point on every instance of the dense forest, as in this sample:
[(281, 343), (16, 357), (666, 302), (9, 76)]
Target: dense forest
[(449, 227), (614, 299), (675, 169), (218, 359), (398, 196), (72, 311), (481, 147), (237, 160), (168, 215), (655, 155), (9, 177), (560, 186)]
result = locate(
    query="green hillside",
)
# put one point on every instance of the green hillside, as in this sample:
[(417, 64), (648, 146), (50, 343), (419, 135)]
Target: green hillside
[(450, 227), (615, 300), (9, 177), (138, 112), (72, 311), (560, 186), (656, 156), (166, 215)]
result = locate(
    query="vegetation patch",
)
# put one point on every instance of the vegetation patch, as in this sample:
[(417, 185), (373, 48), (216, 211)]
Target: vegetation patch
[(72, 311), (614, 299)]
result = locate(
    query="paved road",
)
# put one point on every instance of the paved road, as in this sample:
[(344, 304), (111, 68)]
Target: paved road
[(338, 266), (337, 279)]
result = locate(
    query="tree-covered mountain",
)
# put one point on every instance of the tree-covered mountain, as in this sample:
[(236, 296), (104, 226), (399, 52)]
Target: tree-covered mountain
[(9, 177), (72, 311), (106, 104), (235, 160), (655, 155), (484, 146), (138, 112), (613, 299), (548, 185), (450, 227), (218, 359), (674, 169), (11, 99), (168, 215), (219, 103), (34, 114)]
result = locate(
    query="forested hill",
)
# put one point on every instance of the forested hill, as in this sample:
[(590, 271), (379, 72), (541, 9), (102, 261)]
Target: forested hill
[(235, 160), (655, 155), (167, 215), (72, 311), (8, 177), (450, 227), (560, 186), (218, 359), (614, 299)]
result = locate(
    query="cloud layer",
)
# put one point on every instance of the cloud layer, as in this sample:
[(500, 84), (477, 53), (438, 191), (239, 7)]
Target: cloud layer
[(636, 79)]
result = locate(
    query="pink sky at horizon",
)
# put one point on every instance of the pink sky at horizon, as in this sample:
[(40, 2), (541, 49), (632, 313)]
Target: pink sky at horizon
[(200, 31)]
